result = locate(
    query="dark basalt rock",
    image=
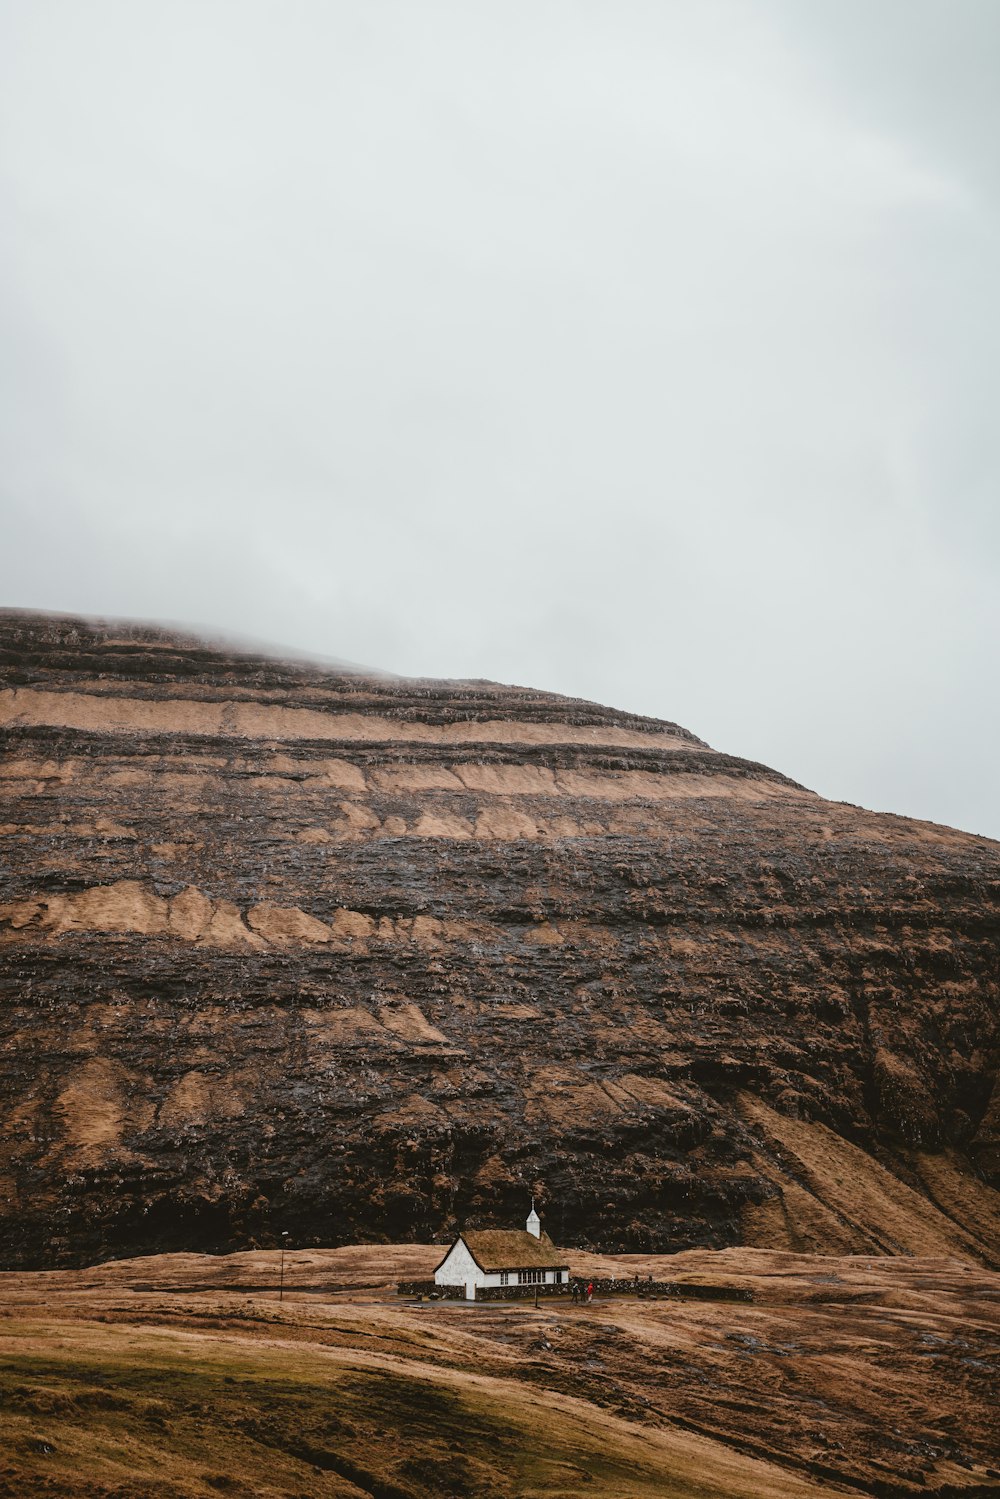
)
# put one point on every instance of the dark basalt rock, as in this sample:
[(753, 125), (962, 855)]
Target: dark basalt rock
[(288, 946)]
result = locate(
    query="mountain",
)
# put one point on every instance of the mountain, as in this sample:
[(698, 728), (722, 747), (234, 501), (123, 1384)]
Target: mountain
[(289, 946)]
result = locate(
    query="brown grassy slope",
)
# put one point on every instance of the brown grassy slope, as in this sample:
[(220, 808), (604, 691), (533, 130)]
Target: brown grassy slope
[(844, 1376)]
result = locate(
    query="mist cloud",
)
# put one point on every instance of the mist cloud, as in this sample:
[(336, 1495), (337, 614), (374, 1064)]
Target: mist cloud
[(644, 352)]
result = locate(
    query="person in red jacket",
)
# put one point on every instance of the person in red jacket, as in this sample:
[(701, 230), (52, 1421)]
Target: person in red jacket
[(590, 1291)]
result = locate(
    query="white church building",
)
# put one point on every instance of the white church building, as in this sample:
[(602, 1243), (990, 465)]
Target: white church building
[(503, 1257)]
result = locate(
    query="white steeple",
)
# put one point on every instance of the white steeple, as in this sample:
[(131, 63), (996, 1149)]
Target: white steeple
[(534, 1223)]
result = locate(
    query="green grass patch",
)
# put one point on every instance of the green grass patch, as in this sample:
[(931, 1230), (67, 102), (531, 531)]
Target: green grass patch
[(135, 1415)]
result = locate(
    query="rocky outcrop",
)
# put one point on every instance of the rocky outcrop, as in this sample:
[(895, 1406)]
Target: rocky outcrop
[(293, 947)]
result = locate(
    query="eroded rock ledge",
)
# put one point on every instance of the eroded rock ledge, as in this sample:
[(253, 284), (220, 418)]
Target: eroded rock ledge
[(287, 946)]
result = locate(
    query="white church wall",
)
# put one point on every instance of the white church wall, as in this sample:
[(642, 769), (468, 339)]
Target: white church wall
[(459, 1268)]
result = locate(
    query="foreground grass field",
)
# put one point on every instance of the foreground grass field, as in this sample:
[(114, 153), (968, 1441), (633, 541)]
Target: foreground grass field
[(184, 1375)]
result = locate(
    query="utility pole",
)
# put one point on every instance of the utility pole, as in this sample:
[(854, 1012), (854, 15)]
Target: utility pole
[(281, 1280)]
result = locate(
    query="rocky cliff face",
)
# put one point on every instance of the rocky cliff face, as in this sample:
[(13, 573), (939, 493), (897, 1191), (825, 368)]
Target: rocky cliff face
[(284, 947)]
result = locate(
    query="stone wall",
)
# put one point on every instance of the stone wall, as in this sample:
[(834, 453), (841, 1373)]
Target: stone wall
[(649, 1289), (429, 1288), (644, 1289)]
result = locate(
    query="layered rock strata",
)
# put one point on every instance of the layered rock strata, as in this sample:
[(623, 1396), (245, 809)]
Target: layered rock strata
[(292, 947)]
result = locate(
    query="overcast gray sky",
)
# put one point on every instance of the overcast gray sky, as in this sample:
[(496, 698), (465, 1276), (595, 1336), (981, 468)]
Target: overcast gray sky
[(644, 350)]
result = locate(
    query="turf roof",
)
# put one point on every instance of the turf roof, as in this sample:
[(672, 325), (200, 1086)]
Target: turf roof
[(513, 1249)]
